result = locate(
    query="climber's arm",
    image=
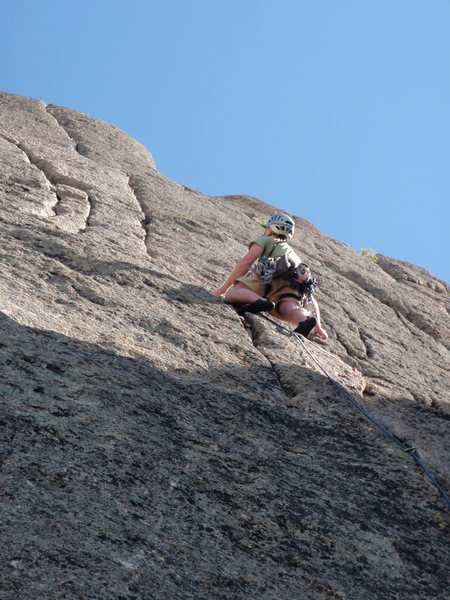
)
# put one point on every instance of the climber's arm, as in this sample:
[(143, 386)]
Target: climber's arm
[(241, 268)]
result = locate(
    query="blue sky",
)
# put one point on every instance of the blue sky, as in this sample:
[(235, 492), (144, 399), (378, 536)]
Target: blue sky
[(337, 111)]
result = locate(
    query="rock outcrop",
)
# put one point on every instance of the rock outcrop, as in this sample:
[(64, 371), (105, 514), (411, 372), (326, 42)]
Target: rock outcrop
[(153, 444)]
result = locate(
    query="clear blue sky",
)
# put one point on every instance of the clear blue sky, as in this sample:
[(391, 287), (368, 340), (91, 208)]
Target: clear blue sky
[(336, 110)]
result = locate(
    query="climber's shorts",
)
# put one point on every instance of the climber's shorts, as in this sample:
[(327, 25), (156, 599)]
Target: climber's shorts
[(280, 291), (253, 282)]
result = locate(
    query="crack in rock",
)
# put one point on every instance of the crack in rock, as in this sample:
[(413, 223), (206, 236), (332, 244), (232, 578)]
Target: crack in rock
[(82, 150), (74, 208), (31, 186), (370, 352), (72, 141), (254, 330), (73, 204), (146, 219)]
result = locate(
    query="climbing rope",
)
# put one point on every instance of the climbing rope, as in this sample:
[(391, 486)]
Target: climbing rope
[(362, 410)]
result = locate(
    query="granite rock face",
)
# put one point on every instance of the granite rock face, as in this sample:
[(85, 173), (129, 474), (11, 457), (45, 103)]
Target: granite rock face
[(153, 444)]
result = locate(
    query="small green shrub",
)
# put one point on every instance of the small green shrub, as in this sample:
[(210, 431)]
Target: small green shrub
[(370, 254), (262, 222)]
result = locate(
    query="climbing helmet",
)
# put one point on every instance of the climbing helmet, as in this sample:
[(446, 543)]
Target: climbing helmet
[(281, 224)]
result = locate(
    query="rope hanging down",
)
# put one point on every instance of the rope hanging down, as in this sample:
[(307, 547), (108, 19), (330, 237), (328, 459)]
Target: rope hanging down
[(362, 410)]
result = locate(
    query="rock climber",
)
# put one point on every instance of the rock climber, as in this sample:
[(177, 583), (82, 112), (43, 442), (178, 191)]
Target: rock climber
[(277, 283)]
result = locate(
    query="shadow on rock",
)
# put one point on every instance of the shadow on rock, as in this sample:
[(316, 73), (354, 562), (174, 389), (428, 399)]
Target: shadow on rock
[(119, 480)]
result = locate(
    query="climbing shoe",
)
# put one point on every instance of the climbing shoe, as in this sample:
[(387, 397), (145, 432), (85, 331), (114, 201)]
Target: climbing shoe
[(305, 327), (256, 307)]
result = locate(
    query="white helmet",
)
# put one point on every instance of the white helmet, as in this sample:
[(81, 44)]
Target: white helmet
[(281, 224)]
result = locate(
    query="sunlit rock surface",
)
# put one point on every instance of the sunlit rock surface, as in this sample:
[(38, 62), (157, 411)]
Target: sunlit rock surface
[(153, 444)]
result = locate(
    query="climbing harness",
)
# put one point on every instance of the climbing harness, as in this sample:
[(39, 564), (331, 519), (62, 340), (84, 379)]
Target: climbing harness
[(300, 290), (409, 450), (267, 265)]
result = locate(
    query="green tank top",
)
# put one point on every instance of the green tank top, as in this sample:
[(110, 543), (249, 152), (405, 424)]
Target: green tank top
[(275, 248)]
